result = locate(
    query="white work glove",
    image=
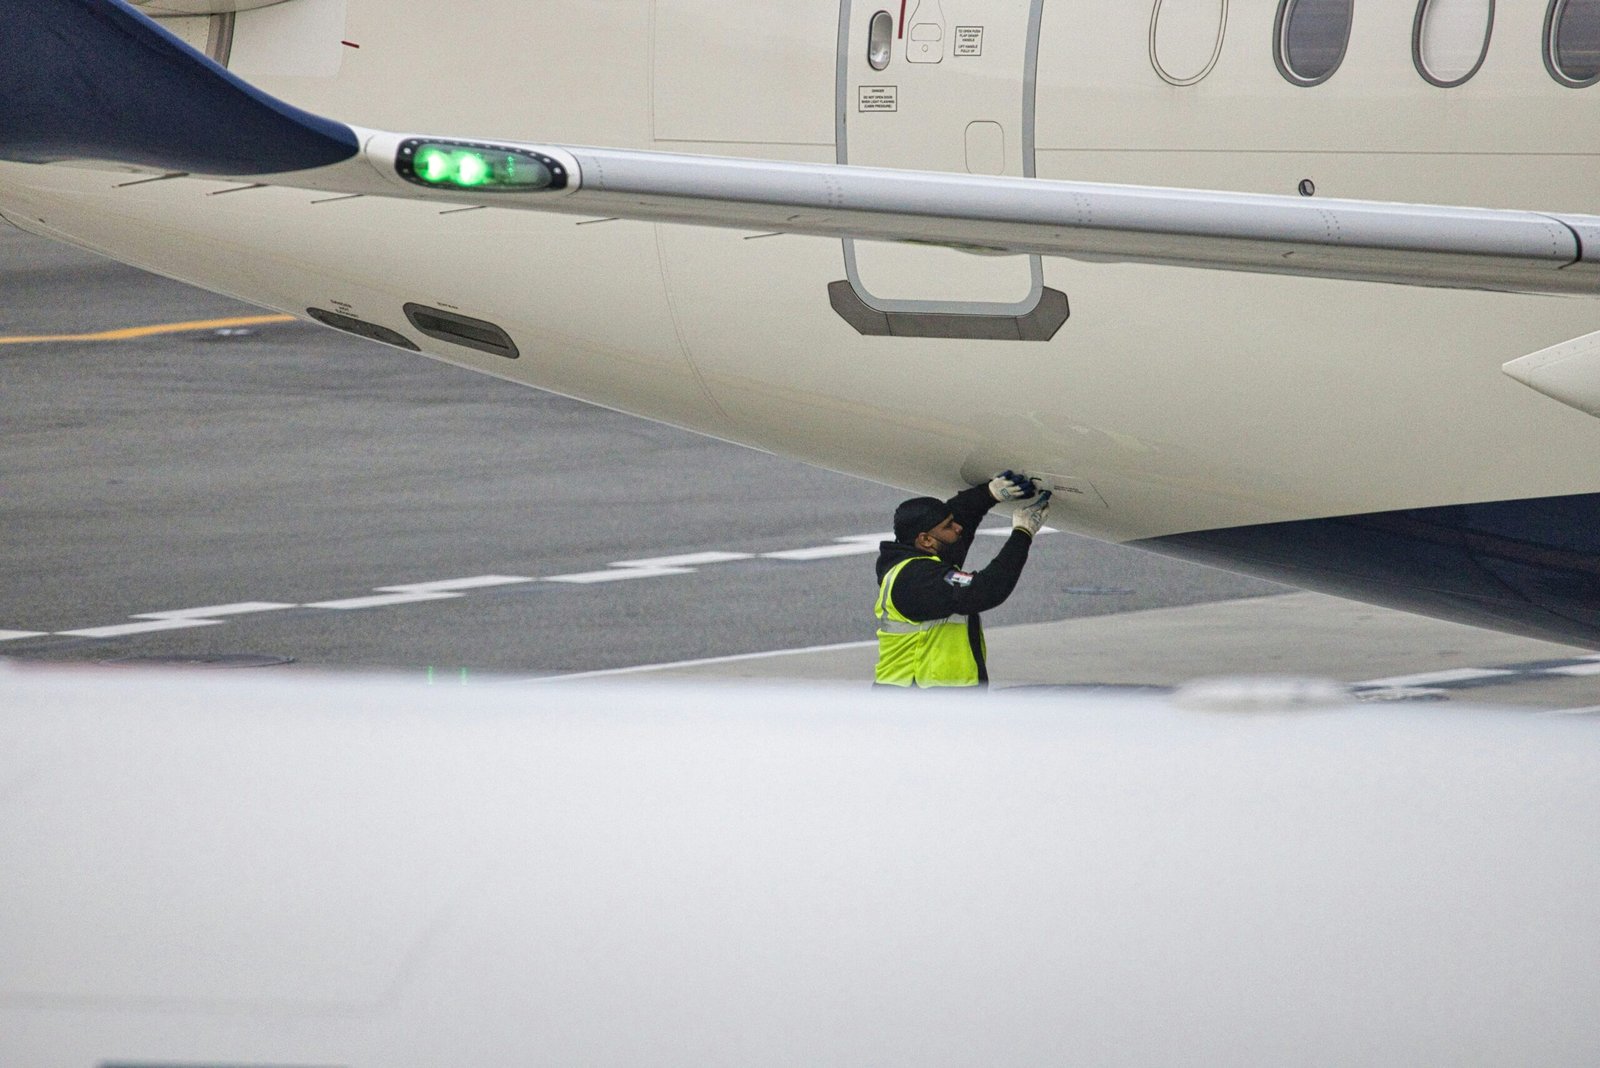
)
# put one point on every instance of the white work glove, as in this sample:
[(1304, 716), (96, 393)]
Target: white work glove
[(1010, 486), (1030, 517)]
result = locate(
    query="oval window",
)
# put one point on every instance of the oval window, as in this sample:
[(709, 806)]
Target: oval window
[(1572, 41), (1451, 38), (1186, 38), (1312, 36)]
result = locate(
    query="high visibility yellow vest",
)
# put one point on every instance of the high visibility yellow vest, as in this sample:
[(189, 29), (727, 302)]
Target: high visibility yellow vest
[(933, 653)]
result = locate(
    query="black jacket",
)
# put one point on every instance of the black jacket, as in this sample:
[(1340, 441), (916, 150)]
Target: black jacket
[(934, 589)]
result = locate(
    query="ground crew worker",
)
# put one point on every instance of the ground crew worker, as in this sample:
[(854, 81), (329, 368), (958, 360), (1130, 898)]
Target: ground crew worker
[(929, 633)]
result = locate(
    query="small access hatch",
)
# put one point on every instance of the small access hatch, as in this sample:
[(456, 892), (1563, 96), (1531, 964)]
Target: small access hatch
[(462, 330)]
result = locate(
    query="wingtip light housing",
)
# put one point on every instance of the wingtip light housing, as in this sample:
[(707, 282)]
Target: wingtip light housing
[(471, 166)]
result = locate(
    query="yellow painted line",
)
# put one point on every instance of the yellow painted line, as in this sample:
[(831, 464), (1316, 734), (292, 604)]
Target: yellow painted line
[(131, 332)]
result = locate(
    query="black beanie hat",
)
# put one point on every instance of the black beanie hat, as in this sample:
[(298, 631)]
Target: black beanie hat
[(918, 515)]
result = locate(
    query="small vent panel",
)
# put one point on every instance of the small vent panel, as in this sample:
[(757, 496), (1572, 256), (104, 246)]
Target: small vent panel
[(462, 330)]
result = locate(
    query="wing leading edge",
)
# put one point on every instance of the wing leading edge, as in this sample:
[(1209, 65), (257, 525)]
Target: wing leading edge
[(118, 107), (1410, 244)]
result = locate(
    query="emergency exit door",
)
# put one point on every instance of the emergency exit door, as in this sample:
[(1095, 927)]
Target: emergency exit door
[(942, 85)]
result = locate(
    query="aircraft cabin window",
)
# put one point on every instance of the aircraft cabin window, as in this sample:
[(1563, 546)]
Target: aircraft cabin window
[(1311, 38), (1451, 38), (1572, 42), (1186, 38)]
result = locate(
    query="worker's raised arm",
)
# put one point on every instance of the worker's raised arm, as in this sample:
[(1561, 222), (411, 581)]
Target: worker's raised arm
[(970, 506), (933, 591)]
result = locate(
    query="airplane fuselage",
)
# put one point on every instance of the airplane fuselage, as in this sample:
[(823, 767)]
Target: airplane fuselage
[(1172, 407)]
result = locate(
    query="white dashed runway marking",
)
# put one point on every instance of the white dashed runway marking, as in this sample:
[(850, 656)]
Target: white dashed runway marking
[(178, 620), (654, 567), (855, 545), (411, 593), (451, 589), (688, 563)]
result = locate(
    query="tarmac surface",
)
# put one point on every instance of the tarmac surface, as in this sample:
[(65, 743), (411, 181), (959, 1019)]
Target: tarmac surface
[(1246, 654), (282, 496)]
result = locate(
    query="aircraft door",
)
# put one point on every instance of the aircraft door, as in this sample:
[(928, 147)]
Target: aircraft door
[(944, 85)]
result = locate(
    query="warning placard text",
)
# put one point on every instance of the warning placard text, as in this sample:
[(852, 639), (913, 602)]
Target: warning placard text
[(879, 98)]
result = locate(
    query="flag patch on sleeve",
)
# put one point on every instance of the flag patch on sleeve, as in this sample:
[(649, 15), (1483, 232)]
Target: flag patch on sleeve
[(958, 578)]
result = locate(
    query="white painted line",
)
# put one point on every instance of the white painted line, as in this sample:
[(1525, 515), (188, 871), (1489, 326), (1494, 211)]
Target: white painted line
[(655, 567), (1588, 711), (178, 619), (1574, 670), (619, 574), (822, 552), (641, 668), (240, 609), (414, 592), (686, 560), (151, 627), (855, 544), (383, 600), (449, 589), (477, 582), (1434, 678)]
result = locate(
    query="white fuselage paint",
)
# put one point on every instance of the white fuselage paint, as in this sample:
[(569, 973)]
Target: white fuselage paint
[(1176, 399)]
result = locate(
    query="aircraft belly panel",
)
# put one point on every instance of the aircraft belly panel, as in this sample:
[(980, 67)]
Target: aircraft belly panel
[(1525, 566), (1185, 399)]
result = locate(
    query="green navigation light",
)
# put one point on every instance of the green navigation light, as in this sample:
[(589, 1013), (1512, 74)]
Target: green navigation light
[(472, 169), (478, 167), (433, 165)]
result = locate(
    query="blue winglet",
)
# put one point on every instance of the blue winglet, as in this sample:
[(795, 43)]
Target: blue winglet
[(95, 79)]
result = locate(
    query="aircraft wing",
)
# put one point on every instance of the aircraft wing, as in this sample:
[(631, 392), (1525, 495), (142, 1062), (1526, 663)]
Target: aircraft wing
[(203, 869), (150, 101)]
